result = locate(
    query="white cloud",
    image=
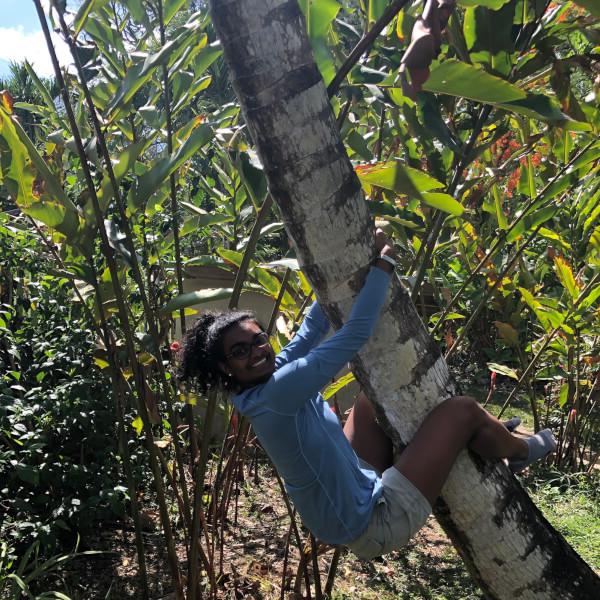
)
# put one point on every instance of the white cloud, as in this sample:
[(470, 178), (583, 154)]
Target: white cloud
[(18, 45)]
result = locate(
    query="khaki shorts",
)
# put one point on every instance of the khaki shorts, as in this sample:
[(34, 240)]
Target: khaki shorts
[(399, 513)]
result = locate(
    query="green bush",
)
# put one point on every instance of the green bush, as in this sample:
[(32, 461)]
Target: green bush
[(59, 470)]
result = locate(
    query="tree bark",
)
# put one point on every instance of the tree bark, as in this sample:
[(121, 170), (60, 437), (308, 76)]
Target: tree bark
[(508, 546)]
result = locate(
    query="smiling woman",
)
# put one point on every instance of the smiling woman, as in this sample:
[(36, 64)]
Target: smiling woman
[(203, 352), (344, 482), (249, 358), (280, 396)]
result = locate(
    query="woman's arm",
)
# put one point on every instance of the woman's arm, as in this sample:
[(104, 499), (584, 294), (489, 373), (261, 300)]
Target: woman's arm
[(311, 332), (315, 324), (297, 381)]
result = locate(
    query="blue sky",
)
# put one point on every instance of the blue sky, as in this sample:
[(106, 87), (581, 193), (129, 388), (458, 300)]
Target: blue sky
[(19, 12), (21, 37)]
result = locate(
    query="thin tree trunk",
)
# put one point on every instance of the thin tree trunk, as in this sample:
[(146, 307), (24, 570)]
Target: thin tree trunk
[(509, 548)]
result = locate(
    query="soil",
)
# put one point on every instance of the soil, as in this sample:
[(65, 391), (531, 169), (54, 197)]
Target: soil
[(253, 559), (251, 566)]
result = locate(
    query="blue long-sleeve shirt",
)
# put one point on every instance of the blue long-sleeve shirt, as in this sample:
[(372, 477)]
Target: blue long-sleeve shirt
[(302, 435)]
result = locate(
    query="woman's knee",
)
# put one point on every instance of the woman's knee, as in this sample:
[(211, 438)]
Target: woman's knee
[(466, 410)]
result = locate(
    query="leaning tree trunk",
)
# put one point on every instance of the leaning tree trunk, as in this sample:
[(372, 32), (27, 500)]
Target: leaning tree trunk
[(508, 546)]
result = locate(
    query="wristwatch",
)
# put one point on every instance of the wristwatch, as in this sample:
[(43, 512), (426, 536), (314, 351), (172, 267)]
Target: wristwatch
[(389, 260)]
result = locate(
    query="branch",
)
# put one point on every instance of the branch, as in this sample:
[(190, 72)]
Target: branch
[(249, 252), (365, 43)]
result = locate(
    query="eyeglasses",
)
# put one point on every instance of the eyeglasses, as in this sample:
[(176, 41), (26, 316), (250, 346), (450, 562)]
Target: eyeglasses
[(243, 349)]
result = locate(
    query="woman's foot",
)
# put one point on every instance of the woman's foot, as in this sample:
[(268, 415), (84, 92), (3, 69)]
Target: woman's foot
[(539, 445)]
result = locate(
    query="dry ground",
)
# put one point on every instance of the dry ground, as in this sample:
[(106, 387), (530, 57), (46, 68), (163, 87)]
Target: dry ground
[(253, 560)]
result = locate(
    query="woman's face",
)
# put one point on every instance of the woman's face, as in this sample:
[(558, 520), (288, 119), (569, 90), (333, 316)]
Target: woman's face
[(249, 358)]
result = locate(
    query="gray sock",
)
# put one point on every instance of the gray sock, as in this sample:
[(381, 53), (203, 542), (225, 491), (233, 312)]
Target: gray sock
[(540, 445)]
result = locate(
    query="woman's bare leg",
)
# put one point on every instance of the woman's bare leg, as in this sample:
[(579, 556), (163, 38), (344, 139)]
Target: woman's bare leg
[(366, 437), (455, 424)]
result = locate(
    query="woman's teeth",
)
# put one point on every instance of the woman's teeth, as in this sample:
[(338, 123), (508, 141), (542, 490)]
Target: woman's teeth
[(262, 361)]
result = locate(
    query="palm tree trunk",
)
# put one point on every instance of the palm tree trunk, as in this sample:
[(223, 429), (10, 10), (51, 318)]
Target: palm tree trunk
[(507, 545)]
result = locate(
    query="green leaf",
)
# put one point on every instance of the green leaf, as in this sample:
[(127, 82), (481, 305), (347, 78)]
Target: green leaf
[(337, 385), (443, 202), (590, 299), (456, 78), (500, 216), (268, 282), (41, 88), (566, 277), (137, 10), (430, 115), (503, 370), (20, 583), (530, 222), (123, 166), (359, 145), (589, 156), (537, 309), (194, 224), (543, 108), (197, 297), (142, 71), (398, 178), (560, 185), (376, 10), (271, 285), (403, 222), (100, 363), (150, 181), (563, 395), (231, 256), (19, 142), (116, 241), (57, 596), (206, 260), (170, 8), (107, 38), (206, 218), (207, 57), (324, 59), (555, 237), (271, 228), (82, 14), (529, 298), (489, 38), (199, 86), (36, 190), (319, 14), (526, 180)]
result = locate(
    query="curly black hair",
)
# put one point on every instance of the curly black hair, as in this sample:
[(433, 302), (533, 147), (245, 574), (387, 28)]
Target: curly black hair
[(202, 350)]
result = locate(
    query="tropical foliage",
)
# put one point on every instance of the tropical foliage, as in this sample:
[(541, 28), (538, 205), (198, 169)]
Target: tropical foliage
[(135, 166)]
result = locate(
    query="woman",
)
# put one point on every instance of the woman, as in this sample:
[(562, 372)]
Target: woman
[(343, 483)]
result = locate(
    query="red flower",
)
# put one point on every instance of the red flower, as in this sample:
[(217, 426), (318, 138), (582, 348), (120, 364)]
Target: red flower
[(493, 380), (572, 415), (175, 347)]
